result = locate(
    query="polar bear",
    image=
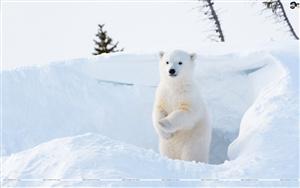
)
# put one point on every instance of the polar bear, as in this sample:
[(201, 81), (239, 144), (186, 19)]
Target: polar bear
[(179, 114)]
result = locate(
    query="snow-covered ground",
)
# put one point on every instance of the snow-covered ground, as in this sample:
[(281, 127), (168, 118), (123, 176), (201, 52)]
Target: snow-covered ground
[(88, 122)]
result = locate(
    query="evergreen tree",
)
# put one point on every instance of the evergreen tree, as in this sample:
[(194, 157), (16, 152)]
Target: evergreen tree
[(278, 10), (210, 12), (105, 43)]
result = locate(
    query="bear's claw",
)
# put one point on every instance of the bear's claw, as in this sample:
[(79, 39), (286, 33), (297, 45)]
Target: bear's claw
[(165, 135), (166, 125)]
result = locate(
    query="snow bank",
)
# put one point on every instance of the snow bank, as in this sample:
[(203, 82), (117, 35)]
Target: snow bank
[(269, 131), (93, 157), (61, 100), (252, 99)]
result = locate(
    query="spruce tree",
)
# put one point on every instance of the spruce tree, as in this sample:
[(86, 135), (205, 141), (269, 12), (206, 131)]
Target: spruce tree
[(278, 10), (105, 44), (210, 12)]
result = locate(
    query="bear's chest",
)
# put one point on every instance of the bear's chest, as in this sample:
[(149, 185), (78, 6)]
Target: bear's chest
[(171, 100)]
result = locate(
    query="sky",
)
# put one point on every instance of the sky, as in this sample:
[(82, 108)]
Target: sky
[(39, 32)]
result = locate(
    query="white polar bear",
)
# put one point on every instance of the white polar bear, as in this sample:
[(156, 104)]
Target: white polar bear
[(179, 115)]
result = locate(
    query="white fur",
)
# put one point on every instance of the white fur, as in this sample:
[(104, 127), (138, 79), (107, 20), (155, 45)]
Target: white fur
[(179, 115)]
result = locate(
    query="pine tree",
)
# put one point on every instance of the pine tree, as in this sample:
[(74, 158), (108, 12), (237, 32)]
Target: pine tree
[(211, 13), (278, 10), (105, 43)]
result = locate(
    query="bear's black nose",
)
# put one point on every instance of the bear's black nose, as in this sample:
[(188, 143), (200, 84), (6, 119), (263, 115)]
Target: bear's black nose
[(172, 71)]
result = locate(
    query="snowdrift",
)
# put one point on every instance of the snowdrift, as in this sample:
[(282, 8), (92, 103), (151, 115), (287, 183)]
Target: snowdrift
[(88, 122)]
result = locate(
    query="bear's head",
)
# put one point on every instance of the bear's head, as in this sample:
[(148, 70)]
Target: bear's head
[(177, 65)]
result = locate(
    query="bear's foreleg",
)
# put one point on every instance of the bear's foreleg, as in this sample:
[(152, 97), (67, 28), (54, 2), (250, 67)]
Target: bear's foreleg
[(159, 114), (179, 119)]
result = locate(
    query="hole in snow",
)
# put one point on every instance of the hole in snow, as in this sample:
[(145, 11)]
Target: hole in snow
[(228, 95), (229, 92)]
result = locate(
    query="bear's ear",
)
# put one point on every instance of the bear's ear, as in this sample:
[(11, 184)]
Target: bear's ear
[(161, 54), (193, 56)]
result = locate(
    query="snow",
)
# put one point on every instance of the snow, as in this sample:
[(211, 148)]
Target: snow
[(91, 119)]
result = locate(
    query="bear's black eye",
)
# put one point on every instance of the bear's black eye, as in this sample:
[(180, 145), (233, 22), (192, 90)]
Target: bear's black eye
[(167, 62), (180, 63)]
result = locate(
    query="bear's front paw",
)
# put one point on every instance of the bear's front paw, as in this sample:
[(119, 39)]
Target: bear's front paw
[(165, 135), (166, 125)]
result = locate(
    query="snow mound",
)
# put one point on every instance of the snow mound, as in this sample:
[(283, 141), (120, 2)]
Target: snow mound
[(65, 101), (252, 99), (92, 156)]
